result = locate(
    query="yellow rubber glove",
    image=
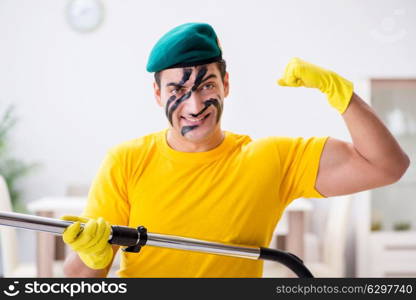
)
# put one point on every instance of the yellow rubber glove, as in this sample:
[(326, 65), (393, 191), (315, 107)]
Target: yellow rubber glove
[(90, 241), (301, 73)]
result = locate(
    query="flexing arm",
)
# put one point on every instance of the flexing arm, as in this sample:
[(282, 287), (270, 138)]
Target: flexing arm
[(373, 159)]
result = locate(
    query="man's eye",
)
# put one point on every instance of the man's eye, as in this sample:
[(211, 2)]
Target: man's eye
[(175, 91), (208, 86)]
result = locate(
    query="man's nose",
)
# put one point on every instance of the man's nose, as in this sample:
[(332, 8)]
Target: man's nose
[(194, 105)]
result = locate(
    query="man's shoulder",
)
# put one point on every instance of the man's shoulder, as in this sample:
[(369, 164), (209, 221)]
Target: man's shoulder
[(279, 144), (288, 142), (137, 145), (254, 141), (275, 139), (257, 143), (237, 137)]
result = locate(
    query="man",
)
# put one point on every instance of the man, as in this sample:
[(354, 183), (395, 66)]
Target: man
[(196, 180)]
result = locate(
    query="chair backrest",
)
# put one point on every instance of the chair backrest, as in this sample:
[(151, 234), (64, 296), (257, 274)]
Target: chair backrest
[(8, 236), (336, 232)]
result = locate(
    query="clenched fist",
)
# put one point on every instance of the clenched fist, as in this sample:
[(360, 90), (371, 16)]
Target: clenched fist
[(91, 241), (301, 73)]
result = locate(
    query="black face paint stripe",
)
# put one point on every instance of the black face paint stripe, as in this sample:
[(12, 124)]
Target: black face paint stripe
[(195, 87), (170, 100), (198, 80), (176, 104), (186, 129), (185, 77), (207, 103), (217, 104)]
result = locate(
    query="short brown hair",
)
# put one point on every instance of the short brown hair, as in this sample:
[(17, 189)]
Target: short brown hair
[(221, 64)]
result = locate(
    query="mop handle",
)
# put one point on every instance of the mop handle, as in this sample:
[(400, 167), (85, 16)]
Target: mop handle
[(135, 238)]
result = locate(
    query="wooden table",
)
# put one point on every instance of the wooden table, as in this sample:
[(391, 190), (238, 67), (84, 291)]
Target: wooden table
[(57, 206)]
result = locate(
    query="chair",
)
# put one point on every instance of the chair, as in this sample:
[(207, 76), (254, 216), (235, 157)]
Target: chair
[(332, 250), (9, 244)]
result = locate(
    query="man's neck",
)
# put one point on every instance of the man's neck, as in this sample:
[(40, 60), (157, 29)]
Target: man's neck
[(180, 143)]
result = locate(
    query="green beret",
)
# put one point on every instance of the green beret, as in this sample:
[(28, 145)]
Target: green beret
[(189, 44)]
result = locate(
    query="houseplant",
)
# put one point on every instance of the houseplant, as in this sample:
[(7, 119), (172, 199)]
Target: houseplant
[(11, 168)]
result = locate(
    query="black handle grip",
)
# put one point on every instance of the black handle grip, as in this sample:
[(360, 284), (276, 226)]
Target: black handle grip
[(124, 236)]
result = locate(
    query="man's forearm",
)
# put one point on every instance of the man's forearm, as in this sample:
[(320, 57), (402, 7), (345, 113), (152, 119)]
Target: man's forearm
[(74, 267), (372, 140)]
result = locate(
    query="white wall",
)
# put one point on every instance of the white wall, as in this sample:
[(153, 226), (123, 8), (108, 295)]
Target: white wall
[(78, 94)]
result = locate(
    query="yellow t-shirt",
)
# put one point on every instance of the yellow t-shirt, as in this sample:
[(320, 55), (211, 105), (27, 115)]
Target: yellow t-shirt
[(234, 193)]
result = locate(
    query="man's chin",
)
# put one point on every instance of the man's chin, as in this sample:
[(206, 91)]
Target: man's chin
[(195, 134)]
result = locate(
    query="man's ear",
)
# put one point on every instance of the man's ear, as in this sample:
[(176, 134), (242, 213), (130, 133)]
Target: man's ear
[(226, 85), (156, 90)]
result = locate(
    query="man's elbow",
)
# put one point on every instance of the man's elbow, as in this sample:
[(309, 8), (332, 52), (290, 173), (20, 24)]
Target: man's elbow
[(398, 168)]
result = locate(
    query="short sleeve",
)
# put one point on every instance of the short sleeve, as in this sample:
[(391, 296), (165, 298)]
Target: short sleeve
[(299, 160), (107, 197)]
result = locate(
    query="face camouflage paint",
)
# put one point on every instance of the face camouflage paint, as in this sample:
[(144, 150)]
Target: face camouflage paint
[(207, 103), (199, 79), (186, 74), (176, 104), (186, 129)]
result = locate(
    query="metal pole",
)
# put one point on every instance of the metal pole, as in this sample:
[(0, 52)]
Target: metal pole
[(32, 222), (181, 243), (57, 227), (128, 236)]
